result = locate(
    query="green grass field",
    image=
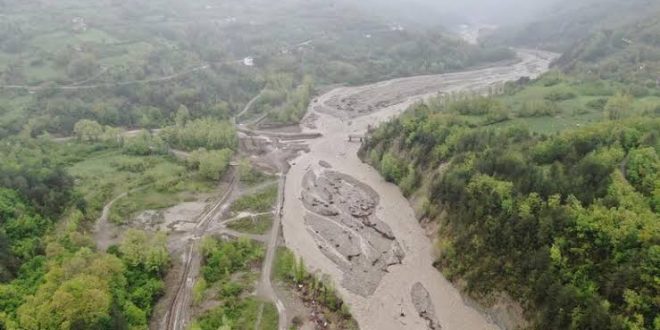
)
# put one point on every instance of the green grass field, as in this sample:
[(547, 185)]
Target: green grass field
[(103, 175), (51, 39), (576, 110), (154, 198), (259, 202), (258, 225)]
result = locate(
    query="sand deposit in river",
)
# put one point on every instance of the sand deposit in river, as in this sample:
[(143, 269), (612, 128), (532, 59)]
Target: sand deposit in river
[(424, 306), (363, 100), (341, 217)]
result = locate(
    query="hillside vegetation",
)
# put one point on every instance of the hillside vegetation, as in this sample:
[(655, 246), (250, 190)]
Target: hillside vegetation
[(146, 59), (549, 189), (629, 54), (567, 224), (568, 22)]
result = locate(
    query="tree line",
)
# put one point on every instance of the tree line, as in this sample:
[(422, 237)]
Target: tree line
[(567, 224)]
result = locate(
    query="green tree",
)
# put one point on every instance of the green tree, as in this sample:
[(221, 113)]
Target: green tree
[(140, 249), (392, 168), (82, 67), (198, 291), (145, 144), (75, 295), (14, 74), (113, 136), (618, 106), (211, 165), (182, 116), (88, 130), (202, 133), (643, 170), (220, 110), (106, 113)]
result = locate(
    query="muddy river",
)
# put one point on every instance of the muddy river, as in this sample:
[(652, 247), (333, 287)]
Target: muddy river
[(345, 221)]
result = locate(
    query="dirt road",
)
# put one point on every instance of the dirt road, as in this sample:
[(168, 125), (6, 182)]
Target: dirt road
[(402, 292), (247, 107), (178, 313), (76, 87), (213, 222), (265, 286), (104, 231)]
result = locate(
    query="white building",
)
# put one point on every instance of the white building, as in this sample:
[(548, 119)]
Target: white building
[(248, 61), (79, 24)]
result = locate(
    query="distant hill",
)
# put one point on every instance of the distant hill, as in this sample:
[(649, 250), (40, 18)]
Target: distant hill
[(629, 53), (533, 191), (568, 22), (599, 39)]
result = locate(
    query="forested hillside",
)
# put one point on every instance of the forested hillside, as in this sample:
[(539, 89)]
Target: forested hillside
[(567, 224), (567, 22), (548, 190), (629, 54), (50, 276), (133, 64)]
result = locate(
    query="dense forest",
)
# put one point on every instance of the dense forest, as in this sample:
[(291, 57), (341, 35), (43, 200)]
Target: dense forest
[(566, 22), (566, 223), (58, 281), (629, 54)]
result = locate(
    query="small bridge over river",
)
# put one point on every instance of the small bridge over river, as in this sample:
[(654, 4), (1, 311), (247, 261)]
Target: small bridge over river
[(356, 138)]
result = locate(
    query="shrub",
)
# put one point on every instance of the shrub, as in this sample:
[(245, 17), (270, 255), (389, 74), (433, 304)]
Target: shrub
[(597, 104), (558, 96), (392, 168), (538, 109)]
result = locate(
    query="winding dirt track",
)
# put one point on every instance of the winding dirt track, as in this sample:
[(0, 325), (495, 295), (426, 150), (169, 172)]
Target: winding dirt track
[(104, 230), (265, 286), (178, 313), (76, 87), (350, 111)]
